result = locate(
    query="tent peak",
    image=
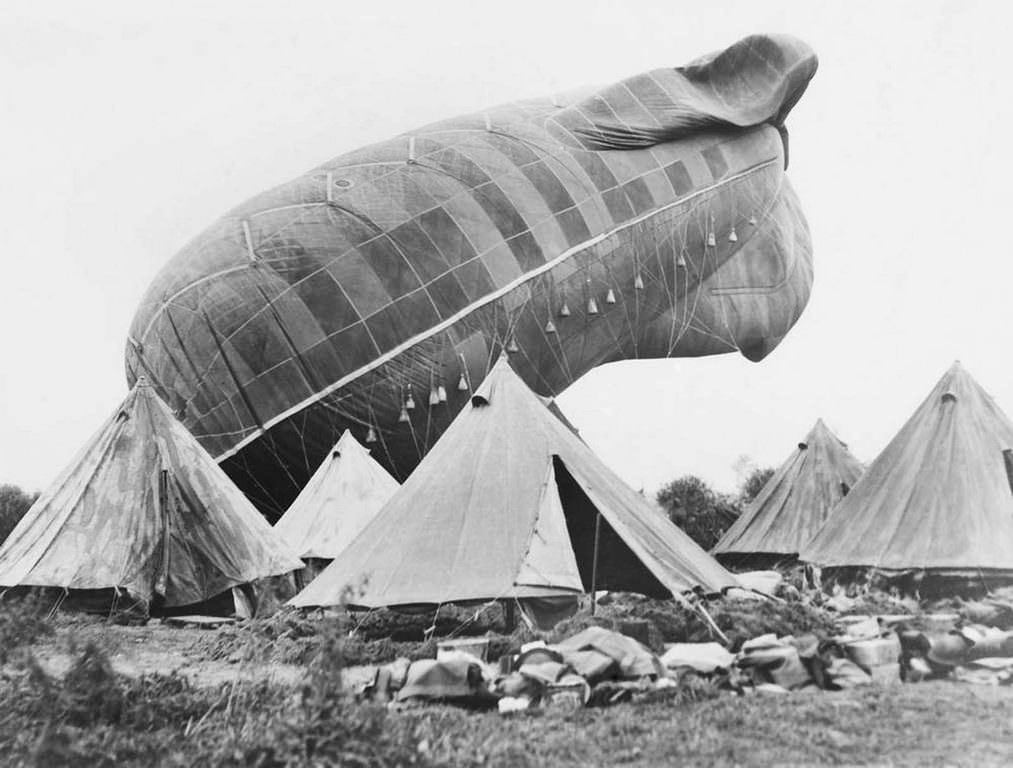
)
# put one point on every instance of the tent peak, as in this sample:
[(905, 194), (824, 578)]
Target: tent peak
[(193, 538), (515, 468), (347, 441), (482, 396), (957, 369), (937, 498), (821, 433)]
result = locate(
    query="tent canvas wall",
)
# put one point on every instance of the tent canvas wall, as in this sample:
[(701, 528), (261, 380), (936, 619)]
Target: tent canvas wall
[(937, 501), (793, 504), (143, 509), (510, 503), (343, 495)]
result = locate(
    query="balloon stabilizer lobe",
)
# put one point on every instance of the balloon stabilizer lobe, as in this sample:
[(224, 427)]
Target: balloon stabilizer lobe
[(650, 218)]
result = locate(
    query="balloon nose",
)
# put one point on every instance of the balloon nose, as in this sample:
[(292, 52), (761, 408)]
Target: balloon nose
[(756, 350)]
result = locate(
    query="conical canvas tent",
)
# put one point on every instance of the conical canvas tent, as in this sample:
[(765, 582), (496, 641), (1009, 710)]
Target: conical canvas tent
[(793, 504), (143, 509), (937, 501), (344, 494), (511, 503)]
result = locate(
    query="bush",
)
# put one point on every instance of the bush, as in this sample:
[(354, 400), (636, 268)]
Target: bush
[(700, 511), (23, 619), (14, 502), (95, 716), (753, 484)]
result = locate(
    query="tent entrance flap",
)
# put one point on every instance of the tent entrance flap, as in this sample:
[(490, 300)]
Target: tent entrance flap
[(618, 567), (1007, 460), (549, 560)]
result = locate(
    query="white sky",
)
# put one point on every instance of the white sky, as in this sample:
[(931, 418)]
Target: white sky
[(124, 132)]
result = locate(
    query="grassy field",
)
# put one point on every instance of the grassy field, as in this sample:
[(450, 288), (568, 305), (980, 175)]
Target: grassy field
[(85, 692), (938, 723)]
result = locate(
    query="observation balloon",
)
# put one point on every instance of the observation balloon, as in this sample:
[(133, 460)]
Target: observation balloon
[(649, 218)]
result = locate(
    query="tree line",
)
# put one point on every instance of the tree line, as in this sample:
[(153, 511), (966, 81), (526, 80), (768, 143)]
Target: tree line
[(703, 513)]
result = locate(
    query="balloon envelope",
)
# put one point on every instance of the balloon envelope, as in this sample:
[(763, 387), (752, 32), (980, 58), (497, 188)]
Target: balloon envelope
[(650, 218)]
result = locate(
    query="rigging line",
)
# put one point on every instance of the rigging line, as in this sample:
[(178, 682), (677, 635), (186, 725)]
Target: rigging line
[(303, 212), (437, 359), (186, 289), (536, 369), (637, 275), (381, 436), (588, 186), (266, 492), (560, 354), (607, 319), (399, 375), (690, 317), (680, 250), (57, 604), (689, 313), (232, 374), (690, 264), (594, 198), (720, 300), (614, 285), (330, 206), (369, 612), (176, 367), (430, 406), (301, 431), (308, 374), (489, 332), (147, 368), (273, 448), (226, 433), (490, 297), (198, 376), (474, 618), (247, 265), (711, 334)]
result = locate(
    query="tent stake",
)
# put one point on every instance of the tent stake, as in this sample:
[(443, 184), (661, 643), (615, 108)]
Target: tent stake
[(712, 624), (594, 565)]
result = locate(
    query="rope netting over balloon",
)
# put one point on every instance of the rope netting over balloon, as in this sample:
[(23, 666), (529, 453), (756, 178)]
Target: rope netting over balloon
[(659, 289), (375, 292)]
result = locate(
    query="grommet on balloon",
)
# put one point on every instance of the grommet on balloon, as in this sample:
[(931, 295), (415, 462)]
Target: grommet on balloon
[(512, 346), (680, 260), (409, 402), (610, 297), (752, 221), (441, 393), (403, 417), (434, 396), (732, 237), (564, 311), (550, 327), (712, 241), (371, 435), (638, 283), (462, 384)]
